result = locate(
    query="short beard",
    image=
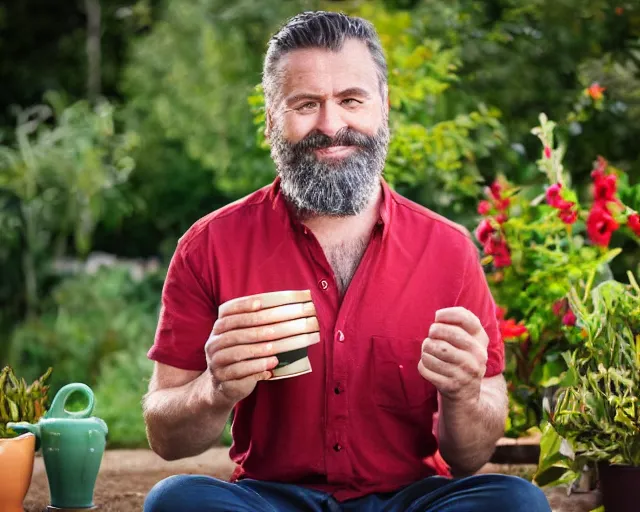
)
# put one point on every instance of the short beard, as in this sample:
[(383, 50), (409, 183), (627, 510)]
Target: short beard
[(336, 188)]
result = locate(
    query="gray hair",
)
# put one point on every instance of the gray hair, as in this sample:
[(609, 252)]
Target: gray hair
[(320, 29)]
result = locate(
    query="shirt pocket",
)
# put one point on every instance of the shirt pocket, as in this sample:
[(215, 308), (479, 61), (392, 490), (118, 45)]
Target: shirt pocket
[(398, 385)]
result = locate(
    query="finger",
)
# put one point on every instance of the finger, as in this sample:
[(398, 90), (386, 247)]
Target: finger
[(264, 317), (453, 334), (243, 352), (460, 316), (263, 333), (443, 351), (246, 381), (432, 363), (462, 365), (439, 381), (244, 369), (262, 301)]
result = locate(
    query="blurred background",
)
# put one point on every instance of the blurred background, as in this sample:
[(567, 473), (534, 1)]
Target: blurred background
[(122, 122)]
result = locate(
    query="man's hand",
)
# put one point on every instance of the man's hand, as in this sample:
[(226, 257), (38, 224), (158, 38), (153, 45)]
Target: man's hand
[(454, 356), (249, 332)]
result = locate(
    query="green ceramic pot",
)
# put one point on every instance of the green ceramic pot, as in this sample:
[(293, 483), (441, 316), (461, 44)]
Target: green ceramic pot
[(72, 447)]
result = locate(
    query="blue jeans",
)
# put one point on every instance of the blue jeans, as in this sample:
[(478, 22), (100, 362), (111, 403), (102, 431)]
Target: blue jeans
[(480, 493)]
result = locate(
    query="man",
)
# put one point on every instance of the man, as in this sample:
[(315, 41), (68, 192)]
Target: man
[(407, 325)]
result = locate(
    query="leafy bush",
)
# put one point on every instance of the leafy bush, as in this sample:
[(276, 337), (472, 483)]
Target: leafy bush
[(96, 329), (57, 181), (124, 378)]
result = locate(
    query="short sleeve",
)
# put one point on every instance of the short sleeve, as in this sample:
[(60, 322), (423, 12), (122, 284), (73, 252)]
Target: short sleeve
[(475, 296), (187, 313)]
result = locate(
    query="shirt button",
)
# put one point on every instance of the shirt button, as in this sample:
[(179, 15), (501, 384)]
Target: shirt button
[(338, 389), (337, 447), (323, 284), (340, 336)]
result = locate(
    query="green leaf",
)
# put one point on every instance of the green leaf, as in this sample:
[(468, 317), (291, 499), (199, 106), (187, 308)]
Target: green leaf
[(13, 410), (552, 373)]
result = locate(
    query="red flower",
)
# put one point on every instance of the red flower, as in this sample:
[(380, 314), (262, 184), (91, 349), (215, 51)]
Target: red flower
[(559, 307), (501, 254), (495, 189), (484, 207), (484, 231), (500, 312), (619, 11), (600, 225), (568, 216), (634, 223), (510, 329), (595, 91), (553, 194), (554, 197), (605, 188), (601, 167), (569, 319), (499, 249), (503, 204), (502, 259), (501, 218), (547, 152)]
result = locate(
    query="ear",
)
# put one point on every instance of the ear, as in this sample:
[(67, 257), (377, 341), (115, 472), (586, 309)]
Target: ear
[(268, 124), (388, 102)]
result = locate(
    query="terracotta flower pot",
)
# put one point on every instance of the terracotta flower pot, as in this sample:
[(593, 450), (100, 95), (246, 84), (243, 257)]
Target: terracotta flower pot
[(16, 468), (620, 486)]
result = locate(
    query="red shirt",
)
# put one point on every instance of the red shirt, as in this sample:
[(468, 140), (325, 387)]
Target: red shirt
[(362, 420)]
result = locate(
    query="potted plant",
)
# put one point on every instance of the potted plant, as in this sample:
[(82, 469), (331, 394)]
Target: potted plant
[(596, 419), (18, 402)]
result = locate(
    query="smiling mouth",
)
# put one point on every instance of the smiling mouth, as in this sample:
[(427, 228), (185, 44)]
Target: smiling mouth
[(334, 151)]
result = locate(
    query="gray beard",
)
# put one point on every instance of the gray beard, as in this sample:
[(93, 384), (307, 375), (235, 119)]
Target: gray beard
[(325, 187)]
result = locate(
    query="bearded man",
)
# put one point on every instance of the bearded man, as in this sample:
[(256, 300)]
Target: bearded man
[(405, 324)]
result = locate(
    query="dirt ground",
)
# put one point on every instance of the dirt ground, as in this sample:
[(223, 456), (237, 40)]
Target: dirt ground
[(126, 476)]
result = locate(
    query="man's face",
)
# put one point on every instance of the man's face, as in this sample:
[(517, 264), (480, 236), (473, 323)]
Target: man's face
[(329, 130)]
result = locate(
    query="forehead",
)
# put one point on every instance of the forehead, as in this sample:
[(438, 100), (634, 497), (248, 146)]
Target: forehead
[(323, 71)]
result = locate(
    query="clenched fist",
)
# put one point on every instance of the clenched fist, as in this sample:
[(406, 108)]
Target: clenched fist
[(454, 356)]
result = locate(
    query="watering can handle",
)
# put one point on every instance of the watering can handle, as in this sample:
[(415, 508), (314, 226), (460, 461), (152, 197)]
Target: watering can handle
[(57, 409)]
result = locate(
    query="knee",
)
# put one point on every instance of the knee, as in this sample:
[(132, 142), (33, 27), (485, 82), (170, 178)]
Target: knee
[(165, 494), (518, 495), (168, 495)]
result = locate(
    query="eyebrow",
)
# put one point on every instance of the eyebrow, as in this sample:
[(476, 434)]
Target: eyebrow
[(351, 91)]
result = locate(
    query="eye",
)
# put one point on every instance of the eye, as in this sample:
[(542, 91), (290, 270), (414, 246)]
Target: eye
[(351, 102), (308, 107)]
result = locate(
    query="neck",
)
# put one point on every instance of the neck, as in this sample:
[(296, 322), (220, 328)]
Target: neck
[(330, 230)]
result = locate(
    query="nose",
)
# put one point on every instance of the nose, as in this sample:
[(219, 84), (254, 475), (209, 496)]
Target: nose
[(330, 119)]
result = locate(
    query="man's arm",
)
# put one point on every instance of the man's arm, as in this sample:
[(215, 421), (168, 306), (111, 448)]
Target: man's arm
[(186, 411), (183, 415), (468, 430), (473, 408)]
